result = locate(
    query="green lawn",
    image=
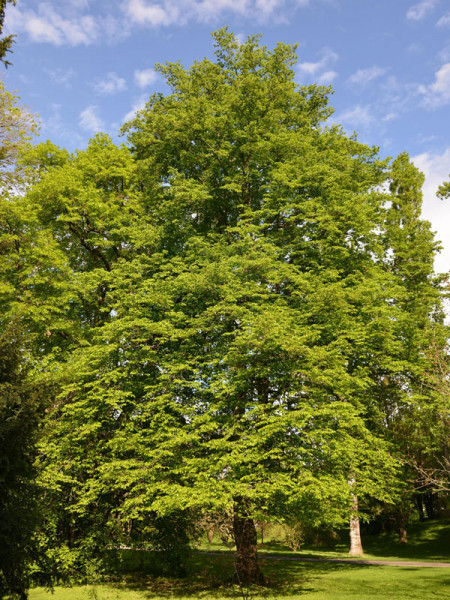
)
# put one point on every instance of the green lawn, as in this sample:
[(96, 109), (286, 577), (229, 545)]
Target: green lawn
[(428, 541), (288, 580)]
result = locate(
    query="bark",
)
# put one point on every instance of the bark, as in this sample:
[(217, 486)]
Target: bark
[(210, 534), (356, 548), (402, 536), (428, 499), (247, 566), (419, 503)]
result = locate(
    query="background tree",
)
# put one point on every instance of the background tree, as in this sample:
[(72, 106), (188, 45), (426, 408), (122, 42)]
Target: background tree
[(21, 410), (20, 403), (7, 41)]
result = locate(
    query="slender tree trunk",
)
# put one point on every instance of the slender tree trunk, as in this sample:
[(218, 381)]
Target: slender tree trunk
[(419, 503), (248, 570), (210, 534), (402, 536), (356, 548)]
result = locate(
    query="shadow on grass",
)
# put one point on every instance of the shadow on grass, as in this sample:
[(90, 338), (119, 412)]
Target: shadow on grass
[(427, 542), (430, 543), (208, 574)]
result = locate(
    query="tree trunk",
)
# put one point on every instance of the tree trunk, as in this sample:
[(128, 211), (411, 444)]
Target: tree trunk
[(356, 548), (402, 536), (247, 566), (210, 534), (419, 503), (429, 504)]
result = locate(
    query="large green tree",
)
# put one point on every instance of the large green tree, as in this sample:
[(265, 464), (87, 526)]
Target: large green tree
[(216, 310), (226, 302)]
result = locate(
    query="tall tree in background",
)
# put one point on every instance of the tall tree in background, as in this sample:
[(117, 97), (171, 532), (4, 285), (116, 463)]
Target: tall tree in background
[(7, 41), (21, 404), (21, 409), (407, 404)]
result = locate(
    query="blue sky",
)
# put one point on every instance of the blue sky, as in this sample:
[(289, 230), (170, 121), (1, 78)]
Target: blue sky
[(85, 65)]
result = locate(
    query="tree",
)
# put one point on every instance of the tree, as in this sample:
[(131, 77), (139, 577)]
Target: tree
[(7, 41), (20, 414), (227, 374), (21, 402), (410, 404), (215, 309), (403, 404)]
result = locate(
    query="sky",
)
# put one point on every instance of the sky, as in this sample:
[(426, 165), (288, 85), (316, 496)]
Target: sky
[(85, 66)]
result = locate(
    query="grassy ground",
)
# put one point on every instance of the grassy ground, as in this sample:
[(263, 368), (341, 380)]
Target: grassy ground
[(291, 581), (288, 580), (427, 542)]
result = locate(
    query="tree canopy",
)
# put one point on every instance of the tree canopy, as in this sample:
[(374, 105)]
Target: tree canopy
[(230, 314)]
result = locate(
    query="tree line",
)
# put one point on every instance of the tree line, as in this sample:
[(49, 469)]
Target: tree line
[(234, 313)]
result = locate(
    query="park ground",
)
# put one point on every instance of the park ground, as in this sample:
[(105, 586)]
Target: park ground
[(289, 580)]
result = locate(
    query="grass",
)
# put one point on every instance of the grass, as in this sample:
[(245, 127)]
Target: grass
[(289, 580), (427, 542), (294, 581)]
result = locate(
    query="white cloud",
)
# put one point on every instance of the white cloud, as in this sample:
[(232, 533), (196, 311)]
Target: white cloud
[(358, 116), (111, 84), (390, 117), (437, 94), (420, 10), (444, 54), (365, 76), (179, 12), (138, 105), (151, 14), (444, 21), (90, 120), (436, 168), (47, 25), (61, 76), (68, 22), (327, 77), (145, 78), (55, 124), (307, 70)]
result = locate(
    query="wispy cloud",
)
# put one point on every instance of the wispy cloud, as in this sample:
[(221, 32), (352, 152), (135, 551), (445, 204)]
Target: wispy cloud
[(358, 116), (327, 77), (111, 84), (437, 94), (74, 22), (48, 25), (420, 10), (444, 21), (54, 124), (138, 105), (319, 69), (90, 120), (61, 76), (145, 78), (181, 12), (364, 76), (444, 54)]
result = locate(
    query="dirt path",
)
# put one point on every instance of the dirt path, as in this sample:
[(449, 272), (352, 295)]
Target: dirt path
[(354, 561)]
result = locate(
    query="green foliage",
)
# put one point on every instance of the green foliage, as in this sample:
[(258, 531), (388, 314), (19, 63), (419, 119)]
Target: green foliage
[(20, 414), (7, 41), (294, 535), (230, 313)]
